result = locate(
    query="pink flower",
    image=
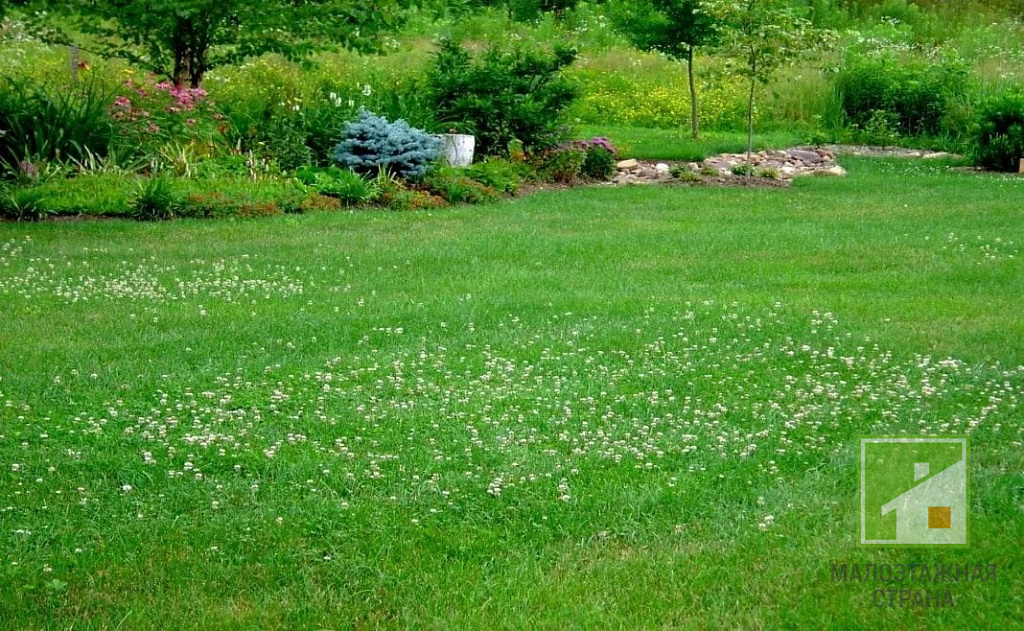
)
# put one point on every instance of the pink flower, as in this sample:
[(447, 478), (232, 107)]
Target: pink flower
[(190, 122), (122, 102)]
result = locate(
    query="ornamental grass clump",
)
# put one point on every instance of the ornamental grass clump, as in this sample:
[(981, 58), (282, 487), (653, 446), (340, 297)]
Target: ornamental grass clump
[(372, 144)]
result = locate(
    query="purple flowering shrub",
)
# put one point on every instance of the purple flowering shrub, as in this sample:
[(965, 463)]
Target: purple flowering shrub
[(150, 112)]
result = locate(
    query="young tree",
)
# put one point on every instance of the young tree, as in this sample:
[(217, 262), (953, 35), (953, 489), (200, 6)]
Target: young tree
[(183, 39), (674, 27), (765, 35)]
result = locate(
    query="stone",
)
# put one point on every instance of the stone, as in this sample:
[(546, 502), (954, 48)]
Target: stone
[(625, 165), (805, 156), (787, 171), (662, 170), (935, 154), (836, 170)]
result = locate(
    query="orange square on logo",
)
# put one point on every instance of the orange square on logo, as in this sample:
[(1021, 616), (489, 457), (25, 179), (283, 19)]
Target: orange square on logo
[(939, 517)]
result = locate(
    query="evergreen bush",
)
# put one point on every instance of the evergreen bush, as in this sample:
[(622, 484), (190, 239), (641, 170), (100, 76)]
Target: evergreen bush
[(371, 144), (505, 95)]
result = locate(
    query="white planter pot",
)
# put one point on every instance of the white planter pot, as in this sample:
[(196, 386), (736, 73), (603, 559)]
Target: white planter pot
[(457, 149)]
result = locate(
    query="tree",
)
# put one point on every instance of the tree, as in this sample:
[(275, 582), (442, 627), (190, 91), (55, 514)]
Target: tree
[(674, 27), (6, 4), (765, 35), (183, 39)]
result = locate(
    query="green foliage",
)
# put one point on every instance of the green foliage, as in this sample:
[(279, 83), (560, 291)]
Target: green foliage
[(94, 193), (182, 40), (909, 97), (765, 35), (23, 204), (683, 173), (673, 27), (641, 90), (395, 194), (743, 169), (372, 144), (242, 197), (456, 187), (598, 160), (155, 199), (349, 187), (999, 139), (518, 94), (563, 165), (162, 197), (498, 174), (50, 123), (881, 129)]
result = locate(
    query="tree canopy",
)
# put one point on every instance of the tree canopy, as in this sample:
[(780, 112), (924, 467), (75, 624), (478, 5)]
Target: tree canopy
[(183, 39)]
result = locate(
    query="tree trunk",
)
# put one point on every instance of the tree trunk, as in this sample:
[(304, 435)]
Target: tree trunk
[(191, 44), (750, 114), (694, 110), (180, 41)]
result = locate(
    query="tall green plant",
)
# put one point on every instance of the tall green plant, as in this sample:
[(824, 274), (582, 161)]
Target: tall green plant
[(50, 123)]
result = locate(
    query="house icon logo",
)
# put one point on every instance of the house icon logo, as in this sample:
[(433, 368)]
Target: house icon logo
[(913, 491)]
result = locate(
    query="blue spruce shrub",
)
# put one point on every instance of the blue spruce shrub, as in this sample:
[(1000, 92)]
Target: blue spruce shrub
[(371, 143)]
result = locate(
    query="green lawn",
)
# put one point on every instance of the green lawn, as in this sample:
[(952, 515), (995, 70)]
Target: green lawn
[(594, 409)]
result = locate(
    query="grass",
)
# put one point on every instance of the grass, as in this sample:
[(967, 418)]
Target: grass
[(601, 408), (677, 144)]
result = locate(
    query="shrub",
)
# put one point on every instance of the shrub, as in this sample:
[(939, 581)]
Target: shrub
[(457, 188), (684, 174), (518, 94), (242, 197), (599, 159), (149, 113), (346, 185), (500, 175), (743, 169), (999, 139), (563, 164), (910, 97), (372, 144)]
